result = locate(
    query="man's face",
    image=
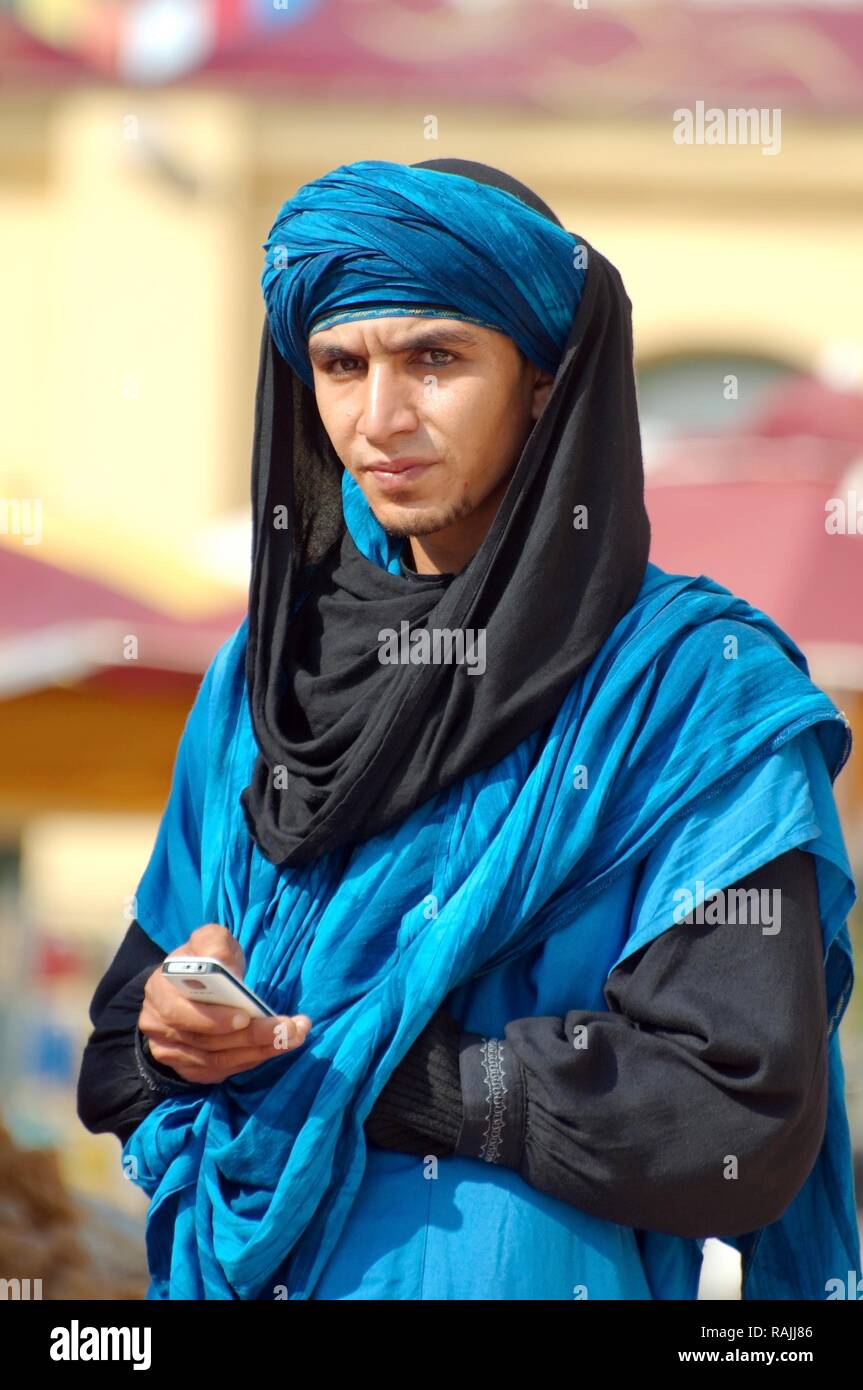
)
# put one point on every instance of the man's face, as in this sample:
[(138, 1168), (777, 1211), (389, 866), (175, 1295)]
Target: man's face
[(457, 400)]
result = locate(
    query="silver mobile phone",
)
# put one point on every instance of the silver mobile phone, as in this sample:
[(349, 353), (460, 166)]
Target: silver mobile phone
[(210, 982)]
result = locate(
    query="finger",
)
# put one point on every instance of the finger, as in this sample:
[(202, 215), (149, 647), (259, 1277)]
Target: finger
[(217, 941), (188, 1014), (156, 1029), (278, 1033), (194, 1065)]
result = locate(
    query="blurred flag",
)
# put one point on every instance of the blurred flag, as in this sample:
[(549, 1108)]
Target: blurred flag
[(154, 40)]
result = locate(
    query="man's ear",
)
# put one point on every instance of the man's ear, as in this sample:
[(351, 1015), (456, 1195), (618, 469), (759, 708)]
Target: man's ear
[(541, 389)]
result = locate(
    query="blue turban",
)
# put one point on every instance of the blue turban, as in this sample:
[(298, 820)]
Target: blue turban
[(377, 239)]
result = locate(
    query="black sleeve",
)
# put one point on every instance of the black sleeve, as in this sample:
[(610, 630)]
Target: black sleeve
[(697, 1104), (119, 1082)]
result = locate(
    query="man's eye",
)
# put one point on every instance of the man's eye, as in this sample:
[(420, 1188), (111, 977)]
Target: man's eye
[(343, 366)]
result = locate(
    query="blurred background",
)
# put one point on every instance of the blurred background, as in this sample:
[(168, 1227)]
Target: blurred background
[(145, 149)]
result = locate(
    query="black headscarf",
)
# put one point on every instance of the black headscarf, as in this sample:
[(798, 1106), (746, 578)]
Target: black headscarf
[(348, 746)]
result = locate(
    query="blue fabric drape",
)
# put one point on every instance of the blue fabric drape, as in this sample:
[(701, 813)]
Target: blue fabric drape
[(252, 1181), (375, 237)]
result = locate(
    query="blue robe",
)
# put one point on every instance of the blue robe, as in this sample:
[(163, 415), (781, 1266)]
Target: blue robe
[(707, 751)]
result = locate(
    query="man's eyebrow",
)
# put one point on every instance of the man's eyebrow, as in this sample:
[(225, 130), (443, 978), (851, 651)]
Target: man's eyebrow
[(422, 342)]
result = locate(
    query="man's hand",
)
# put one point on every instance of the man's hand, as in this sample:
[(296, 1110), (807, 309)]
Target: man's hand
[(206, 1043)]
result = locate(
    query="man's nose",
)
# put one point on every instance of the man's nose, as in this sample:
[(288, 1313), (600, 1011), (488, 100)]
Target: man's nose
[(387, 406)]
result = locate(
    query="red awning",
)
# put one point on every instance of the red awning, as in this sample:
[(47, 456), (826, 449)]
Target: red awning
[(753, 513), (63, 628)]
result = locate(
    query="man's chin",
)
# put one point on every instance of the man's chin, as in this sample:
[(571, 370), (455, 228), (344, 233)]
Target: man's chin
[(411, 521), (406, 515)]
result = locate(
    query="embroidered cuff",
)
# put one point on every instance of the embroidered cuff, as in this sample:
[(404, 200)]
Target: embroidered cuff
[(492, 1084), (156, 1077)]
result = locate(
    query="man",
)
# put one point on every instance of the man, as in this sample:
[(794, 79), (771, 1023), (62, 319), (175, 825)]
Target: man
[(510, 1066)]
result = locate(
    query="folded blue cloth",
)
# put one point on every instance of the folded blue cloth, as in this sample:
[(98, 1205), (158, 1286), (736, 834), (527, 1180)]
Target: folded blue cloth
[(376, 237), (252, 1182)]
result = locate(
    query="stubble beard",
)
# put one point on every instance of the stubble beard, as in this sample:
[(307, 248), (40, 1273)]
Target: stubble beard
[(426, 521)]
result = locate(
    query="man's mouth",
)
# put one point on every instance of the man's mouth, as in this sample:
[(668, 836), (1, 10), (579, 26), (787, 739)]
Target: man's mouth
[(398, 471)]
